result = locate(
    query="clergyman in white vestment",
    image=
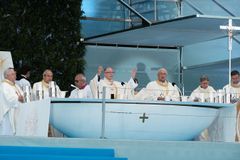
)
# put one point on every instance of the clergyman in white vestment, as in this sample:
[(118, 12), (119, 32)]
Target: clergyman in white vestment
[(203, 92), (24, 76), (114, 89), (11, 96), (161, 89), (82, 89), (234, 88), (44, 86)]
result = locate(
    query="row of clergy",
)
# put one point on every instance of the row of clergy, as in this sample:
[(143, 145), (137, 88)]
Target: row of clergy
[(160, 89), (11, 94)]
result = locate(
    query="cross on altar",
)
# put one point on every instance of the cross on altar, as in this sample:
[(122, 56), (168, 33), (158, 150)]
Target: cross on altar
[(143, 117), (230, 28)]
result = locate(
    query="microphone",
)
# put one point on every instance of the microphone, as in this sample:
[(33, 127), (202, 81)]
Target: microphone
[(174, 85)]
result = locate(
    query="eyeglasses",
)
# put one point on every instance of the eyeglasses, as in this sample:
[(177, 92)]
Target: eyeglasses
[(110, 72)]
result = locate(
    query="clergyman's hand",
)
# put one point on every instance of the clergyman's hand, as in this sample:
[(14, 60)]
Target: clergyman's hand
[(133, 73), (99, 71), (196, 99), (161, 98), (20, 98)]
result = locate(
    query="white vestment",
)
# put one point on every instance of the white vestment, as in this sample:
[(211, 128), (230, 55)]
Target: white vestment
[(81, 93), (45, 88), (9, 93), (114, 89), (233, 90), (202, 94), (157, 89), (23, 82)]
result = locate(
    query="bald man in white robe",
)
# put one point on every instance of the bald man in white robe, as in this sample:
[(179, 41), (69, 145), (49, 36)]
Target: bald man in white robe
[(161, 89), (11, 96), (44, 86), (82, 89), (114, 89)]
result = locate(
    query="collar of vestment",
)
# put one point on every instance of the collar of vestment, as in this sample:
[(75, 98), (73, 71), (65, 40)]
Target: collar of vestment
[(204, 89), (235, 85), (44, 84), (108, 82), (112, 87), (9, 82), (12, 84), (163, 84), (83, 86)]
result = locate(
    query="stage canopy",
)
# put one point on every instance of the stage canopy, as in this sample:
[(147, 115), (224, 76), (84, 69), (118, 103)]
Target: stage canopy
[(172, 33)]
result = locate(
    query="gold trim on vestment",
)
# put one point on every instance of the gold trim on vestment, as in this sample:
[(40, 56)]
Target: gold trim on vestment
[(44, 84), (112, 84), (165, 85), (235, 85), (14, 85)]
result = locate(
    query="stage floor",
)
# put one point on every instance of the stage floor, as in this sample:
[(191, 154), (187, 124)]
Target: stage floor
[(140, 150)]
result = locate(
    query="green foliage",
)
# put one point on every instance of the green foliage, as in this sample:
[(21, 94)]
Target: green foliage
[(44, 34)]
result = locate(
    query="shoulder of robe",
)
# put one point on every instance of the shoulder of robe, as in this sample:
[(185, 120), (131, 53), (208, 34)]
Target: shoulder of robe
[(170, 85), (151, 83), (37, 82), (226, 86), (2, 84), (74, 90), (211, 88), (88, 86), (117, 83), (101, 81), (196, 90), (5, 84), (199, 87)]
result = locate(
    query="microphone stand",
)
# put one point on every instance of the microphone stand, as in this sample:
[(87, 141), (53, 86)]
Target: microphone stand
[(179, 91), (124, 91)]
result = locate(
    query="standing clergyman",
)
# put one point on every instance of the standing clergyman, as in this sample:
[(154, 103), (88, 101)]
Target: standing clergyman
[(114, 89), (11, 96)]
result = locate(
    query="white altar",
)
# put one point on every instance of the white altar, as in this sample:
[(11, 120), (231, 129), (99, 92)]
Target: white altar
[(83, 118), (32, 118)]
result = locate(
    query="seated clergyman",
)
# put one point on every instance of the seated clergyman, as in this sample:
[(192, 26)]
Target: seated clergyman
[(82, 89), (234, 88), (161, 89), (203, 92), (114, 89), (44, 87)]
